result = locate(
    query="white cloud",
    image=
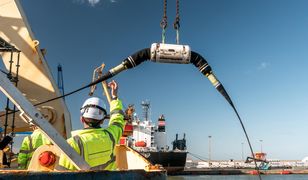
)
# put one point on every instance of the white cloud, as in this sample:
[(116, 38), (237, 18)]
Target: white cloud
[(92, 3), (263, 65)]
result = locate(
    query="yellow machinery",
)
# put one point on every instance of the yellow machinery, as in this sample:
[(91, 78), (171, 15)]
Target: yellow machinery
[(35, 79), (46, 158)]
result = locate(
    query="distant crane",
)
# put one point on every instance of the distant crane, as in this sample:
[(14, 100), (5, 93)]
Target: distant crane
[(60, 80)]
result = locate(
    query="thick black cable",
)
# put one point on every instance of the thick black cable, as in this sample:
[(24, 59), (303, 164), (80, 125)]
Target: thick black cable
[(205, 69), (243, 127), (4, 72), (103, 78), (223, 92)]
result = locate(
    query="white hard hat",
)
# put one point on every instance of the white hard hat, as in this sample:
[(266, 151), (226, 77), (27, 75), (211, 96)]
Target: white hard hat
[(93, 108)]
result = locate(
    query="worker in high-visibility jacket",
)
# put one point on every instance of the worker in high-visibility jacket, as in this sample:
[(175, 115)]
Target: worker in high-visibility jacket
[(29, 145), (95, 144)]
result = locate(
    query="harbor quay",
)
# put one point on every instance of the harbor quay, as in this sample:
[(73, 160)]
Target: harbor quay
[(239, 167), (232, 171)]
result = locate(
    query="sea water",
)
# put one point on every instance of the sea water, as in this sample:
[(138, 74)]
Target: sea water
[(240, 177)]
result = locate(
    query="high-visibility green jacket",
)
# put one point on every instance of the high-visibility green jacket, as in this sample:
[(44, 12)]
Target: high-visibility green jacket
[(28, 146), (96, 145)]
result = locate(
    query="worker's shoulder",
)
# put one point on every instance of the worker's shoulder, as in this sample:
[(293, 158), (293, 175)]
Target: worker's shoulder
[(35, 134), (88, 135), (84, 132)]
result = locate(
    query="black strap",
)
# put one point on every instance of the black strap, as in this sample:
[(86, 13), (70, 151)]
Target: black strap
[(111, 138), (103, 166), (119, 125), (116, 112), (27, 151), (61, 168), (77, 139), (30, 143), (113, 144), (96, 106)]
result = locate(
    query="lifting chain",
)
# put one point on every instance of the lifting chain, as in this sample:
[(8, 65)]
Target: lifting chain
[(176, 23), (164, 23)]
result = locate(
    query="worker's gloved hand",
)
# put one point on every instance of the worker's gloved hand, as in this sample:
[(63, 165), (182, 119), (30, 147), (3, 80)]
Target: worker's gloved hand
[(114, 89)]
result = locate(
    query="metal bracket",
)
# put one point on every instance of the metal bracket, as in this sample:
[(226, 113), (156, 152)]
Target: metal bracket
[(97, 73), (26, 118)]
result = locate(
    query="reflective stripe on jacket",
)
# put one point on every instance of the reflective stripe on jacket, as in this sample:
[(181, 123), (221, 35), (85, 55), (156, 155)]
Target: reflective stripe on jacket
[(28, 146), (96, 145)]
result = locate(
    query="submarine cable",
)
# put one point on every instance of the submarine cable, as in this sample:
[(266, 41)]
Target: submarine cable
[(4, 72), (206, 70)]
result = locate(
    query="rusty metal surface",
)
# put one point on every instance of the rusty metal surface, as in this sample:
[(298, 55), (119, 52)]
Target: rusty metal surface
[(81, 175)]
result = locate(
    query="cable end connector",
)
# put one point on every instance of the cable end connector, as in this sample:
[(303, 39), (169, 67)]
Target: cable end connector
[(119, 68)]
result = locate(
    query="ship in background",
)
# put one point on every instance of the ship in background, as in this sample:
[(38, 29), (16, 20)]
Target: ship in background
[(150, 140)]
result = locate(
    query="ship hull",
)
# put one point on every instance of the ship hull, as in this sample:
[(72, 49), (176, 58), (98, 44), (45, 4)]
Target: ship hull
[(170, 160)]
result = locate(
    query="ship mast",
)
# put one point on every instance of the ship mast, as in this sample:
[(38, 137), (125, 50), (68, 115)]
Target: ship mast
[(146, 110)]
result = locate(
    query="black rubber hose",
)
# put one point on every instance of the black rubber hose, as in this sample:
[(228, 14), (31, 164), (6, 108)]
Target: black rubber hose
[(129, 62), (197, 60), (137, 58)]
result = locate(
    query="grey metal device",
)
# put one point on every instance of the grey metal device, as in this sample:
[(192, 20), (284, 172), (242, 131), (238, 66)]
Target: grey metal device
[(170, 53), (31, 115)]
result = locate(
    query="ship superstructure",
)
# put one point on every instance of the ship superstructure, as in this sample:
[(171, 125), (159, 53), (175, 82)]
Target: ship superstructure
[(150, 140)]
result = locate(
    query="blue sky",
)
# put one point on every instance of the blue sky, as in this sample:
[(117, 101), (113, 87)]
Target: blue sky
[(257, 48)]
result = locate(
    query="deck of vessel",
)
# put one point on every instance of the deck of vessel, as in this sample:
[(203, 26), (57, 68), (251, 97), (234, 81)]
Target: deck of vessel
[(81, 175)]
